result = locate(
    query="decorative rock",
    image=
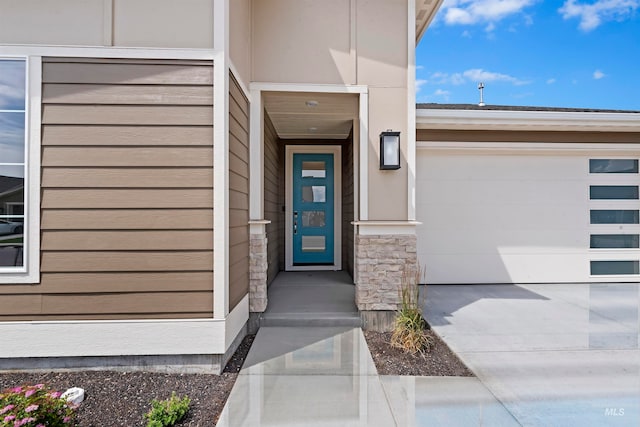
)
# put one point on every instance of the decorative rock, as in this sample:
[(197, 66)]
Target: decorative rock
[(74, 395)]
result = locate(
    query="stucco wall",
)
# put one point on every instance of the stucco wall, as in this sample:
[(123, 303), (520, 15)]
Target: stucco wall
[(140, 23), (363, 42)]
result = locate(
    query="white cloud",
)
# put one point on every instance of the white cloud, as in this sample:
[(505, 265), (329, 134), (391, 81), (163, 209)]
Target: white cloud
[(551, 81), (419, 84), (466, 34), (480, 75), (439, 93), (490, 27), (467, 12), (597, 74), (474, 75), (594, 14)]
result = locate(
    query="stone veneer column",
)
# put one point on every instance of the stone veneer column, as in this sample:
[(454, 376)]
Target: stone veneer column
[(258, 272), (380, 261)]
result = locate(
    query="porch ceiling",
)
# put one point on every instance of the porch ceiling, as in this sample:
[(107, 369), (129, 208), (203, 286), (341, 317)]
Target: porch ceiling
[(304, 115)]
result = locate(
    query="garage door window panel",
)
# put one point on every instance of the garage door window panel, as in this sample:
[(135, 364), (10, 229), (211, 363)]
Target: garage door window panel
[(613, 192), (615, 216), (613, 166), (610, 268), (613, 241)]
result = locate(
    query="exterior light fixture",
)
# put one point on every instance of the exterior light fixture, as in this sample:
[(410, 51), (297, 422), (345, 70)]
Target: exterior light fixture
[(390, 150)]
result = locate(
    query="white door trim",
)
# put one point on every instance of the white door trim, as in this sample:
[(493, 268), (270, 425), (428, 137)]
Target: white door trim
[(336, 150)]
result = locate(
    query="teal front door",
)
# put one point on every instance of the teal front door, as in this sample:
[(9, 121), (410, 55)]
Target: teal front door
[(313, 209)]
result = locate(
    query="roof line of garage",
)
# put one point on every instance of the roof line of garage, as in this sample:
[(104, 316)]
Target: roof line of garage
[(466, 119)]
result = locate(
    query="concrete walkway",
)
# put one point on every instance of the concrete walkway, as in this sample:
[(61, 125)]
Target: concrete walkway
[(325, 376), (318, 298), (554, 354)]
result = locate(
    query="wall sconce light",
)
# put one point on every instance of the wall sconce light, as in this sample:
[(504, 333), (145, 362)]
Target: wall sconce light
[(390, 150)]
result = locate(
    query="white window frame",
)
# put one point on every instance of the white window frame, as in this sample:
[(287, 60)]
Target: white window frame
[(30, 271)]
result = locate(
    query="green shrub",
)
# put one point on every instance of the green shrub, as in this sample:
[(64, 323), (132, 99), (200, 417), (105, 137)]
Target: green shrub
[(165, 413), (409, 328), (35, 406)]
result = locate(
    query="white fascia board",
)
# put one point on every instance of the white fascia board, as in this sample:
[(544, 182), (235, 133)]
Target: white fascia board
[(527, 120), (122, 337)]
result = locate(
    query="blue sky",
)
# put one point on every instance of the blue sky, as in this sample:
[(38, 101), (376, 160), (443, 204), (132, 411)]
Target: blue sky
[(568, 53)]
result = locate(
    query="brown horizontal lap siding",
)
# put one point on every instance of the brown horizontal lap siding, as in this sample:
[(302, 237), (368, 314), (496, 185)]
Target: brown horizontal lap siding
[(238, 194), (127, 193), (272, 204)]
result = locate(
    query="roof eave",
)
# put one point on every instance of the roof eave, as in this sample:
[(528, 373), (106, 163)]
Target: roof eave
[(424, 19), (527, 120)]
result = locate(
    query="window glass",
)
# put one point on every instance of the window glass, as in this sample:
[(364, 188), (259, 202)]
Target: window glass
[(314, 193), (600, 268), (613, 166), (314, 170), (599, 241), (613, 216), (608, 192), (313, 244), (313, 219), (12, 161)]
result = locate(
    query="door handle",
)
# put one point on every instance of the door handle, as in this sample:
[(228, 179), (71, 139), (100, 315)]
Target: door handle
[(295, 222)]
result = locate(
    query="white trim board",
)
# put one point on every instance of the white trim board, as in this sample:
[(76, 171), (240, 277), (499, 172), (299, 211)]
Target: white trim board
[(308, 87), (108, 52), (221, 187), (526, 120), (411, 111), (30, 272), (336, 150), (123, 337), (386, 228)]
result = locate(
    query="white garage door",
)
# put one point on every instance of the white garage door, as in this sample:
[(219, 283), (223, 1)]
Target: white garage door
[(527, 218)]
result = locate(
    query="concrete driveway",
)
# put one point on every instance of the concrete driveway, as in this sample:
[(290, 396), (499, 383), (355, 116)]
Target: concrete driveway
[(553, 354)]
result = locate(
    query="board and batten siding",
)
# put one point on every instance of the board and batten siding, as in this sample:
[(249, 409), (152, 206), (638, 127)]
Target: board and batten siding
[(127, 193), (238, 194)]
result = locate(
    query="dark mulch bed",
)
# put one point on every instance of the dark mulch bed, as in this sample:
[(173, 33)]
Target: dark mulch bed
[(439, 361), (122, 398)]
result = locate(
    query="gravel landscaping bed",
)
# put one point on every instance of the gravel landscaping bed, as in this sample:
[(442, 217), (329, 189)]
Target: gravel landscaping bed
[(122, 398), (115, 399), (439, 361)]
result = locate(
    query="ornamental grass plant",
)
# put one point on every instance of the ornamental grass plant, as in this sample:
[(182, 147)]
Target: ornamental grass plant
[(409, 333), (35, 406)]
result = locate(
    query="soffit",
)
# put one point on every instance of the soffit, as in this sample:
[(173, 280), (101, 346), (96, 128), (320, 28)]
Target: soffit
[(425, 11), (331, 118)]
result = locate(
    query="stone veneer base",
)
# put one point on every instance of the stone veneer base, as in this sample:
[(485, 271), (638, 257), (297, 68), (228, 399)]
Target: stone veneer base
[(380, 263), (258, 273)]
